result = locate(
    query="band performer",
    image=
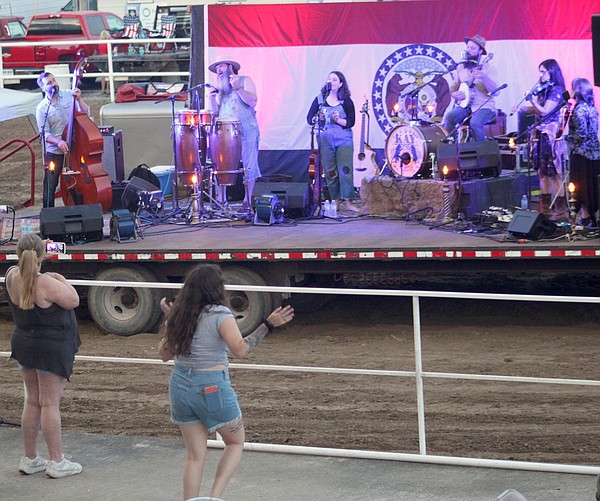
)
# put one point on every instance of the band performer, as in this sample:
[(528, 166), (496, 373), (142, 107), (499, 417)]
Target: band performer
[(585, 150), (334, 111), (235, 98), (52, 115), (548, 154), (472, 82)]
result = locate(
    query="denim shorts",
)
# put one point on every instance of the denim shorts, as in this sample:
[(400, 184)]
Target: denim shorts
[(22, 368), (205, 397)]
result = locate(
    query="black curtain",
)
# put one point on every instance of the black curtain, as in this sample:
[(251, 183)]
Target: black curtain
[(197, 75)]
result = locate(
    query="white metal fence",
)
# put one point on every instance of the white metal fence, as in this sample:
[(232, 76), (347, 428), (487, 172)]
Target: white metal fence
[(112, 75), (419, 375)]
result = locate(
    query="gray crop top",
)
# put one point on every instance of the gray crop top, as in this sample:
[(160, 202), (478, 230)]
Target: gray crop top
[(208, 347)]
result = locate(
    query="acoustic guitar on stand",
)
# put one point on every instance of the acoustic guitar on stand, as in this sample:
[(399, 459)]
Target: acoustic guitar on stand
[(365, 161), (467, 87)]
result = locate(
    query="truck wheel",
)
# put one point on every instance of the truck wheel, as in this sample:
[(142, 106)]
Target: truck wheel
[(125, 311), (249, 308)]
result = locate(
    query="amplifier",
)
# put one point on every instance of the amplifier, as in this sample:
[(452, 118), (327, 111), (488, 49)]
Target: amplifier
[(112, 156), (72, 223), (478, 159)]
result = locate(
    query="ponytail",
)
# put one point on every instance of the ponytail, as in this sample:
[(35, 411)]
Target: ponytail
[(30, 250)]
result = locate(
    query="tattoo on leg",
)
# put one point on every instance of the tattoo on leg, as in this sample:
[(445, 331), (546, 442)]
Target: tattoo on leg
[(237, 426)]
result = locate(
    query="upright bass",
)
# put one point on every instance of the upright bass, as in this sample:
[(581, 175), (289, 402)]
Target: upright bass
[(84, 180)]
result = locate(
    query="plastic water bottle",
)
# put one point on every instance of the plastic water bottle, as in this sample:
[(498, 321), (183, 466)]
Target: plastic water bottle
[(26, 226), (524, 202), (333, 209), (327, 208)]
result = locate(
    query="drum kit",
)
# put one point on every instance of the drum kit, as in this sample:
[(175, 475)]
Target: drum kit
[(194, 134)]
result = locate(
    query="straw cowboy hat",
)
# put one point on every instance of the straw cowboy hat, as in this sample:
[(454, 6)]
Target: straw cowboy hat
[(479, 40), (236, 66)]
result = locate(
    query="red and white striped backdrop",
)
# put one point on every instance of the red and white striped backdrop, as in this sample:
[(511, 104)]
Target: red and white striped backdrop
[(288, 50)]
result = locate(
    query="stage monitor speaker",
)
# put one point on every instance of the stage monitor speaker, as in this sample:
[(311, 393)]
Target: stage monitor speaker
[(478, 159), (596, 47), (72, 223), (295, 197), (530, 224), (141, 193), (112, 156)]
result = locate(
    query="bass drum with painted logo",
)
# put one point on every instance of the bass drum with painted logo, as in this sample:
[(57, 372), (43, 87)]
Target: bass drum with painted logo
[(410, 150)]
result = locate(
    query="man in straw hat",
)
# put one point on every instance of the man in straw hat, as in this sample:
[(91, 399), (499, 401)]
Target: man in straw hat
[(472, 83), (234, 98)]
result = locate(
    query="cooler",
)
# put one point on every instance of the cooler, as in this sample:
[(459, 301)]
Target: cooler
[(164, 173), (146, 131)]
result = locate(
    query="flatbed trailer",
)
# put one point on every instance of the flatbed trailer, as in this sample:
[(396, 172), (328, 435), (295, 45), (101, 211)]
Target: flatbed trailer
[(364, 252)]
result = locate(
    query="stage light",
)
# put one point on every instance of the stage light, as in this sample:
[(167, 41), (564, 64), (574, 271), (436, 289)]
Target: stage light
[(51, 166)]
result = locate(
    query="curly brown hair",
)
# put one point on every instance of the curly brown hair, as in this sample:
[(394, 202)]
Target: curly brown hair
[(203, 287)]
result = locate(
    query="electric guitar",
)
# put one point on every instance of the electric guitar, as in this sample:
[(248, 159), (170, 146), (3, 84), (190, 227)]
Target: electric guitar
[(365, 161), (467, 87)]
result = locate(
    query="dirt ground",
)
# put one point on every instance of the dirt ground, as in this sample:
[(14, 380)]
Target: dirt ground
[(535, 422)]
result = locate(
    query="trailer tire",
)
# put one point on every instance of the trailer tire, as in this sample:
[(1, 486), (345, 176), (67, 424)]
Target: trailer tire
[(249, 308), (125, 311)]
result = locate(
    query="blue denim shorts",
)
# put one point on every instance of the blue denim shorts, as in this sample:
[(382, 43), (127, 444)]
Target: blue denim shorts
[(22, 368), (205, 397)]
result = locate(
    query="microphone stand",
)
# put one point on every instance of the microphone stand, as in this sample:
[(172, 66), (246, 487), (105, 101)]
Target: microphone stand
[(451, 135), (175, 180), (46, 196)]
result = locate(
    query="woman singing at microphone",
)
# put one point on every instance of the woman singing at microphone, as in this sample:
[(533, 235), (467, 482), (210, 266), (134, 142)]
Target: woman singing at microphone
[(333, 109)]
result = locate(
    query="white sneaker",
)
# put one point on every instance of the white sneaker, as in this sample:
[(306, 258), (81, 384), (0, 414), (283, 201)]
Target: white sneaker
[(29, 466), (65, 468)]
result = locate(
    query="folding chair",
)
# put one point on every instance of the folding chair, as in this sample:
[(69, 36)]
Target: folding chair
[(167, 30), (131, 30)]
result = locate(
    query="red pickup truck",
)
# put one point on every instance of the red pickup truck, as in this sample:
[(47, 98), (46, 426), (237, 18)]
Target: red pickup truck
[(44, 28)]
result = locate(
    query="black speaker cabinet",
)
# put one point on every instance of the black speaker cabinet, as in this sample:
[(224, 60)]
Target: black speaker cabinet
[(295, 197), (72, 223), (112, 156), (140, 193), (478, 159), (530, 224), (596, 47)]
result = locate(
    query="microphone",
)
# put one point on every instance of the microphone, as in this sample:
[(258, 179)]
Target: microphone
[(495, 91), (566, 96), (328, 87), (52, 90)]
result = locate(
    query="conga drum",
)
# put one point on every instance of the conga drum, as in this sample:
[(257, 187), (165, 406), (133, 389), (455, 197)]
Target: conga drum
[(187, 159), (226, 150), (205, 117)]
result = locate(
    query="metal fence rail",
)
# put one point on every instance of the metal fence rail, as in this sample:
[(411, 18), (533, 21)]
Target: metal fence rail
[(418, 374)]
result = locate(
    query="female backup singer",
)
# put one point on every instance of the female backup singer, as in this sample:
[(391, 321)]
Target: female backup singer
[(53, 114), (585, 150), (333, 110), (549, 153)]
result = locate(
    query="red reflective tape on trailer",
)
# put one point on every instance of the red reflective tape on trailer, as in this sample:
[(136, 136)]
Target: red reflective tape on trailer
[(498, 254), (558, 253)]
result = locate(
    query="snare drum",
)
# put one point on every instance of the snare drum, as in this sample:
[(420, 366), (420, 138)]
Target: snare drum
[(226, 150), (408, 149)]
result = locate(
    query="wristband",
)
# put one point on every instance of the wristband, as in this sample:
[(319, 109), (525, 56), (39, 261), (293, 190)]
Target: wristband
[(268, 325)]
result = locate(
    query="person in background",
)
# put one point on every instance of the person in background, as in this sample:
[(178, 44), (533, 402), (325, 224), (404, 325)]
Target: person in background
[(334, 111), (584, 150), (103, 51), (234, 99), (44, 343), (548, 153), (52, 115), (198, 332)]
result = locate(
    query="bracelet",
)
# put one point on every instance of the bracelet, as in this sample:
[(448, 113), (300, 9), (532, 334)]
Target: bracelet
[(268, 325)]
